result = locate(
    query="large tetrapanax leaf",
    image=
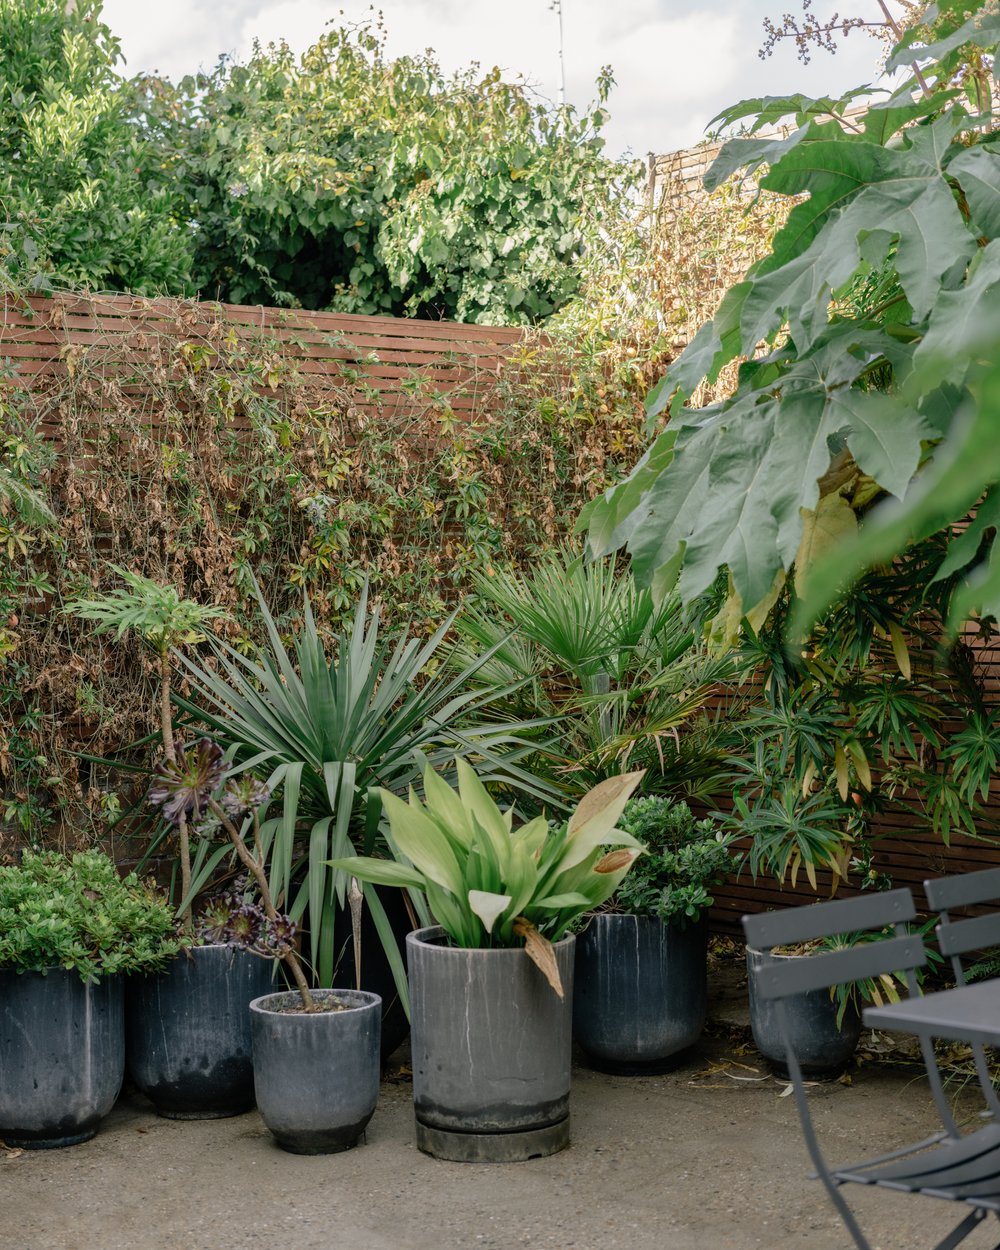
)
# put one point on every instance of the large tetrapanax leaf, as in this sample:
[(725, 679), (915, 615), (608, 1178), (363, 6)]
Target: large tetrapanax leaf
[(963, 466), (978, 171), (883, 434), (861, 196), (735, 525), (965, 323)]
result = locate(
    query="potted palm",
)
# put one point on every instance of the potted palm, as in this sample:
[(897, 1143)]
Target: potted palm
[(491, 982), (315, 1051), (69, 930), (640, 980)]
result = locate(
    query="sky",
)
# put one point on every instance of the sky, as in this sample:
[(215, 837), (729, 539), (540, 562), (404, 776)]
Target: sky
[(676, 64)]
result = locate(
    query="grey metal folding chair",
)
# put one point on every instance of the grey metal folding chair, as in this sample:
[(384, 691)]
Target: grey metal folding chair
[(958, 937), (946, 1164)]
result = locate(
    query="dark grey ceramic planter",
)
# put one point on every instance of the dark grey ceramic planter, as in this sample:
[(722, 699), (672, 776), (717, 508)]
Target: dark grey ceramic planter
[(317, 1074), (491, 1046), (820, 1047), (639, 995), (62, 1056), (187, 1032)]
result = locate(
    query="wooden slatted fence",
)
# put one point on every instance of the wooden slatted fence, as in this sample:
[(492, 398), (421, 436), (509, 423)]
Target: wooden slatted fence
[(387, 363)]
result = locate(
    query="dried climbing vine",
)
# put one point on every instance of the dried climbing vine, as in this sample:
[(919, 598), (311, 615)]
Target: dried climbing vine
[(190, 453)]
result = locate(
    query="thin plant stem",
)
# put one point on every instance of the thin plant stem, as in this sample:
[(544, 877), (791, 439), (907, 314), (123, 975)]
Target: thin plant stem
[(255, 867), (894, 26), (170, 751)]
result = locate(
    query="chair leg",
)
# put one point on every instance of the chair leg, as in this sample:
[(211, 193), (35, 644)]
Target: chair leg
[(961, 1231)]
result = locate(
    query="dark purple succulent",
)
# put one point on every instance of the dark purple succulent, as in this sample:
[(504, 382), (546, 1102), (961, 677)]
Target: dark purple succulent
[(182, 787), (235, 920), (242, 795)]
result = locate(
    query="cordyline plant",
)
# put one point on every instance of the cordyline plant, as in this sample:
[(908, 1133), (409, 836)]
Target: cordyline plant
[(195, 784), (491, 885), (164, 621)]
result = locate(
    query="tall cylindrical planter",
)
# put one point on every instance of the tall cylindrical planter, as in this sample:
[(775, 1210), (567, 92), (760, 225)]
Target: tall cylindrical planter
[(491, 1045), (819, 1045), (639, 997), (187, 1032), (62, 1056), (317, 1074)]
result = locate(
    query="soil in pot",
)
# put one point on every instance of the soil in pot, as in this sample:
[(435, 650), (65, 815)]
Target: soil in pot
[(640, 997), (62, 1056), (317, 1073), (821, 1047), (187, 1031)]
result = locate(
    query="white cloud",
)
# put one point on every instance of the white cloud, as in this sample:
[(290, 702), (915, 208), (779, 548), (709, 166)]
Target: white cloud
[(673, 72)]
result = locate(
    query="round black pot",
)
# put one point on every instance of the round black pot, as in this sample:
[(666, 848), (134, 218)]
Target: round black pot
[(62, 1056), (491, 1044), (376, 975), (187, 1032), (316, 1074), (639, 997), (820, 1047)]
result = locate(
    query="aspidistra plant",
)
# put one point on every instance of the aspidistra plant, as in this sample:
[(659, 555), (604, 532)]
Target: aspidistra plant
[(490, 884)]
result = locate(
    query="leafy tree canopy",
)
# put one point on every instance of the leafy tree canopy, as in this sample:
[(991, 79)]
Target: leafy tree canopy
[(342, 179), (82, 201), (866, 413)]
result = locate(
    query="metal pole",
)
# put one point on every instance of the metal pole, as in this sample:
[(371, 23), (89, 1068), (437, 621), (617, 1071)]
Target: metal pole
[(556, 6)]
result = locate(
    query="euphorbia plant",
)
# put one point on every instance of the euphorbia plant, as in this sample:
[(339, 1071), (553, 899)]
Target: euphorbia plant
[(489, 884), (195, 784)]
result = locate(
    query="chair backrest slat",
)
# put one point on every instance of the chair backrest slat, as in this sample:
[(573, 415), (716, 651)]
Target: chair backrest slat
[(964, 890), (802, 924), (957, 937), (780, 977)]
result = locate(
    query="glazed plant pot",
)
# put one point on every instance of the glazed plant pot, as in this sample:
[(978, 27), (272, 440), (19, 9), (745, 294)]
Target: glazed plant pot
[(187, 1032), (316, 1073), (821, 1047), (640, 997), (491, 1045), (62, 1056)]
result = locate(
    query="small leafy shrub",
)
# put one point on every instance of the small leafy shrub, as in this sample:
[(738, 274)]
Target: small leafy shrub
[(684, 858), (80, 915)]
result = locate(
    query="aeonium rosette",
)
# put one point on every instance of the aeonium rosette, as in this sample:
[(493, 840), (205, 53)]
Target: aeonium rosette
[(198, 786)]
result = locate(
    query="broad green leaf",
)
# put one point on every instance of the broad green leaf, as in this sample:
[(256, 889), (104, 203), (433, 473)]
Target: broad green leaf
[(379, 871), (735, 525), (476, 799), (964, 323), (978, 170), (418, 838), (963, 548), (674, 501), (555, 901), (884, 436), (488, 907), (824, 530), (611, 518), (961, 469)]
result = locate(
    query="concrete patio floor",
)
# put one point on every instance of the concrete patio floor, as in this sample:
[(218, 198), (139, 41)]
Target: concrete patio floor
[(707, 1157)]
